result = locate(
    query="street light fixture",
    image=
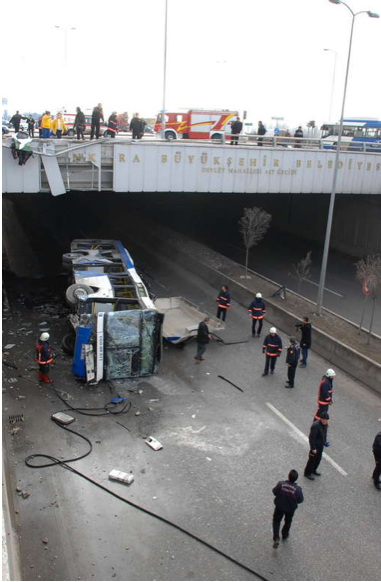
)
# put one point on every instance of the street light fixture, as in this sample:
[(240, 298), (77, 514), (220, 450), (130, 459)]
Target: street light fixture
[(319, 300), (65, 29), (333, 81)]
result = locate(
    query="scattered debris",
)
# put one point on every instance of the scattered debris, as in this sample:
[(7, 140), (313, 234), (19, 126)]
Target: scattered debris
[(15, 430), (45, 541), (153, 443), (208, 459), (20, 397), (9, 365), (126, 427), (235, 385), (25, 494), (12, 380), (137, 413), (9, 346), (116, 475)]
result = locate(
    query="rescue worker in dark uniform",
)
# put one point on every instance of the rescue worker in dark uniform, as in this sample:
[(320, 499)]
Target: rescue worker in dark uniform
[(317, 439), (292, 359), (377, 457), (236, 130), (272, 346), (16, 120), (257, 308), (223, 302), (112, 126), (31, 124), (305, 340), (137, 127), (96, 118), (325, 393), (80, 124), (202, 339), (44, 358), (287, 497)]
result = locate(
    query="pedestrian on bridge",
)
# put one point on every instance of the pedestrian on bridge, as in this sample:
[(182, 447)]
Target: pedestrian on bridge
[(112, 126), (16, 120), (223, 302), (257, 308), (377, 458), (288, 495), (317, 440), (202, 339), (58, 126), (261, 131), (80, 124), (96, 118), (46, 125), (31, 124), (236, 130), (44, 358), (298, 133), (272, 346), (137, 127), (292, 359)]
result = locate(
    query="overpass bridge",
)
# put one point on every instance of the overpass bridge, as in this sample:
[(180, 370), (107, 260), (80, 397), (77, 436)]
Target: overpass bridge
[(125, 165)]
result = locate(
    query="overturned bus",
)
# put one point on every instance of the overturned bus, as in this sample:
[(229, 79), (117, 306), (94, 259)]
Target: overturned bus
[(116, 330)]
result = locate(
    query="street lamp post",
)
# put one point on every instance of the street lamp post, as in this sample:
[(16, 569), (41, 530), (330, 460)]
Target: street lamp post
[(165, 71), (323, 270), (65, 30), (333, 82)]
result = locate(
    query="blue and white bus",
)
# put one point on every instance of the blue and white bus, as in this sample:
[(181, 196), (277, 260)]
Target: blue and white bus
[(358, 134)]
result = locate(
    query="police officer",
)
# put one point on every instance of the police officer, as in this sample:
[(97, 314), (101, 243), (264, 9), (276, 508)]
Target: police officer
[(223, 302), (377, 457), (272, 346), (317, 439), (287, 497), (44, 358), (257, 308), (292, 359), (325, 393)]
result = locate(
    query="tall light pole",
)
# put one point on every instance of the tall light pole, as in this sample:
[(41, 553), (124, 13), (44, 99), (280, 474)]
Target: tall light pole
[(333, 82), (65, 30), (165, 71), (319, 300)]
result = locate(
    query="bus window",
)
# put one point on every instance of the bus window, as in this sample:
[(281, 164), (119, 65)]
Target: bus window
[(371, 132), (327, 130), (359, 132), (348, 131)]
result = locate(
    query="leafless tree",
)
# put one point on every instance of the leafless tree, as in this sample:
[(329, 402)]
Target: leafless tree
[(302, 271), (253, 225), (368, 272)]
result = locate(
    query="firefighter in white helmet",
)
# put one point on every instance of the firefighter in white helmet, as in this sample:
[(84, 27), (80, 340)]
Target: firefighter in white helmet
[(44, 358), (257, 309), (272, 347), (325, 393)]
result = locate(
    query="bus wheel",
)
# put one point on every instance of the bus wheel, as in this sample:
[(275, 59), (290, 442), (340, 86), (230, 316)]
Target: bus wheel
[(75, 291), (68, 344)]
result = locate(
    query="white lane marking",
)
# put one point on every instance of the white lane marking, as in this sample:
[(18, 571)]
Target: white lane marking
[(325, 288), (304, 438)]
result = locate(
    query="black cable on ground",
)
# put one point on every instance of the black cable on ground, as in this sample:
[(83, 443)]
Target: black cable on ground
[(140, 508), (226, 380), (221, 341), (106, 410)]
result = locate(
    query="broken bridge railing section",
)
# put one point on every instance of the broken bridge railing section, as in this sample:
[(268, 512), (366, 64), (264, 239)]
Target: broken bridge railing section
[(125, 165)]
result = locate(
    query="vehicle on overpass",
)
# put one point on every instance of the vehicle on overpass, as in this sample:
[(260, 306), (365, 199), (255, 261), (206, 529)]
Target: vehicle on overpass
[(358, 133), (197, 124), (116, 330)]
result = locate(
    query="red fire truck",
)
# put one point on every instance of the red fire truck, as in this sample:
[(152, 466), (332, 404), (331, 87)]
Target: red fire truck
[(197, 124)]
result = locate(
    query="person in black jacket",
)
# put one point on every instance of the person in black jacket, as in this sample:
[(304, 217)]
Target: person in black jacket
[(305, 340), (236, 130), (261, 131), (202, 339), (287, 497), (31, 124), (377, 458), (137, 126), (96, 118), (298, 133), (16, 120), (272, 346), (292, 359), (317, 439), (257, 308), (223, 302), (80, 123)]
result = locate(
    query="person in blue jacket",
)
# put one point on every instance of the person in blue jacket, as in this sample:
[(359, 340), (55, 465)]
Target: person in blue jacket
[(288, 495)]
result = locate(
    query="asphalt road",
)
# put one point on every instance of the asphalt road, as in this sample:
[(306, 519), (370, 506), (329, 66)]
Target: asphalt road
[(223, 452)]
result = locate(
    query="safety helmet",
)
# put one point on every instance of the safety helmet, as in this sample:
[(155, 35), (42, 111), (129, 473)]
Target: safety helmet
[(44, 337), (272, 329), (330, 373), (259, 295)]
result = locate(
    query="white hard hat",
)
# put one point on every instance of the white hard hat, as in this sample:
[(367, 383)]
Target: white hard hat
[(272, 329), (330, 373), (44, 337), (259, 295)]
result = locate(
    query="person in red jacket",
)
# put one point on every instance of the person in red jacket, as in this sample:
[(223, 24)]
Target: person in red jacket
[(223, 302), (44, 358)]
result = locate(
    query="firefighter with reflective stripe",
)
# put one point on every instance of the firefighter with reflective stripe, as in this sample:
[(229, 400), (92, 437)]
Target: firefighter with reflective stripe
[(44, 358), (272, 346), (257, 308), (112, 126), (223, 302), (325, 393)]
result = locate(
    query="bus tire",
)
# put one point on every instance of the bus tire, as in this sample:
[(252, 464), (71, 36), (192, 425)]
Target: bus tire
[(68, 343), (75, 291), (170, 135)]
